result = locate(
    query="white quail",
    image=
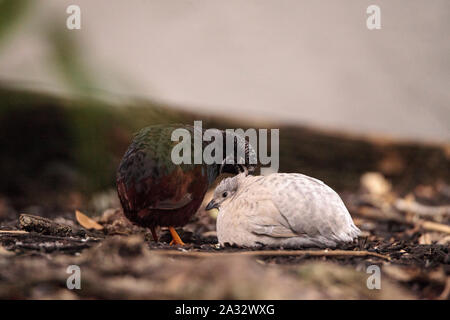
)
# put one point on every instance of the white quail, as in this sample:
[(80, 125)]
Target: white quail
[(287, 210)]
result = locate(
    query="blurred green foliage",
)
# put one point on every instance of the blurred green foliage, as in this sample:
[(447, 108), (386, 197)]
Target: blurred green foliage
[(11, 12), (67, 57), (51, 144)]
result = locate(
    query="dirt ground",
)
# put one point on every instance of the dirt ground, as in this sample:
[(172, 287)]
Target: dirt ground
[(408, 238)]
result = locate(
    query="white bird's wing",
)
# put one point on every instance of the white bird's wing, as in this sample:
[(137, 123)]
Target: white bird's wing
[(269, 222), (303, 206)]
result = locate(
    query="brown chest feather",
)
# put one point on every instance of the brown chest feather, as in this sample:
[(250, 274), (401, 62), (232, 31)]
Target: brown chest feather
[(167, 201)]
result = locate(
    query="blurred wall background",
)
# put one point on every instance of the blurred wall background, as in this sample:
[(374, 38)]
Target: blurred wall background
[(71, 99), (295, 62)]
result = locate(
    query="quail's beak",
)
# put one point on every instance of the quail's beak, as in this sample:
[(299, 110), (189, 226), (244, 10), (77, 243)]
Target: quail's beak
[(212, 205)]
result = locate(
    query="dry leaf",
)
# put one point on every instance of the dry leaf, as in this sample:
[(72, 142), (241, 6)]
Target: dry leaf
[(444, 240), (375, 183), (425, 239), (87, 222), (425, 191), (4, 252)]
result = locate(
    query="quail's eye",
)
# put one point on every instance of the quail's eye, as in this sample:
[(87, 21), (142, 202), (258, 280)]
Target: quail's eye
[(225, 194)]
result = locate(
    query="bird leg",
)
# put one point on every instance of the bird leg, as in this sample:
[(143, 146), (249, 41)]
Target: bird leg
[(175, 237), (155, 236)]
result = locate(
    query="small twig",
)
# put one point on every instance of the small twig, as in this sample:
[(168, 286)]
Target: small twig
[(13, 231), (420, 209), (20, 234), (376, 214), (268, 253), (434, 226)]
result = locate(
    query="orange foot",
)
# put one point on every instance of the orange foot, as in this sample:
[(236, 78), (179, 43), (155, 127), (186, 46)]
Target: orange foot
[(175, 237)]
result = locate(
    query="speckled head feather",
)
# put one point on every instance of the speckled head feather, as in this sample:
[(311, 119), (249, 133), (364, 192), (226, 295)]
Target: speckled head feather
[(226, 189)]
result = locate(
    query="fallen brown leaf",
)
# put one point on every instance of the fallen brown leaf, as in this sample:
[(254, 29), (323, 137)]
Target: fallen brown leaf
[(425, 239), (4, 252), (375, 183), (87, 222)]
